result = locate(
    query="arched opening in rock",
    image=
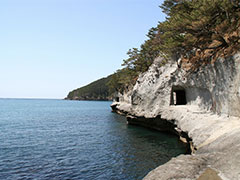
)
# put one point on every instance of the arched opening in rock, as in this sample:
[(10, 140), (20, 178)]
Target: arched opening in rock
[(178, 96), (117, 99)]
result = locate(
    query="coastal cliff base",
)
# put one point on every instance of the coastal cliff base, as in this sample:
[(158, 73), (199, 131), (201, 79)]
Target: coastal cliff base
[(204, 105), (214, 142)]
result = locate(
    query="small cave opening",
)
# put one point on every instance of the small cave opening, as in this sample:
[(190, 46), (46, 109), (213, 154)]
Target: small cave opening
[(117, 99), (178, 96)]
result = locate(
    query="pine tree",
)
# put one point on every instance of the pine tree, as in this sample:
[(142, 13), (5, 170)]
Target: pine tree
[(197, 30)]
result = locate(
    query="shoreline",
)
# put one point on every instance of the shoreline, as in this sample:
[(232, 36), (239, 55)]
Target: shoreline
[(158, 124), (204, 105), (87, 99), (210, 136)]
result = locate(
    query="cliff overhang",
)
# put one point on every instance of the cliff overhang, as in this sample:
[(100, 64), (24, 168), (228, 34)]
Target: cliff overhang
[(204, 105)]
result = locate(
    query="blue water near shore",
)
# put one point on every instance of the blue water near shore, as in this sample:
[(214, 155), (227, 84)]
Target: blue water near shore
[(57, 139)]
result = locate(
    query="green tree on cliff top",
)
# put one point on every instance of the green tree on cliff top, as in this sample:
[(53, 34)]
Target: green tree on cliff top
[(198, 30)]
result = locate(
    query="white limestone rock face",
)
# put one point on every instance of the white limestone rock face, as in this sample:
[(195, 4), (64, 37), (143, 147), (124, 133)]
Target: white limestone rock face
[(215, 87), (152, 90), (208, 110)]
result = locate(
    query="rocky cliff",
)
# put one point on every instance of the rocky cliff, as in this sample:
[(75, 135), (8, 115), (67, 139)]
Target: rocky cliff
[(203, 107)]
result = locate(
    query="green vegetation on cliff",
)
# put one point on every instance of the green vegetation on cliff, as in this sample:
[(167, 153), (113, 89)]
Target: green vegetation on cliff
[(197, 31), (97, 90)]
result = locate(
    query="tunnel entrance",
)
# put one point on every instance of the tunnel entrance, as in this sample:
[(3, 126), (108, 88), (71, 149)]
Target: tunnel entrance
[(117, 99), (178, 96)]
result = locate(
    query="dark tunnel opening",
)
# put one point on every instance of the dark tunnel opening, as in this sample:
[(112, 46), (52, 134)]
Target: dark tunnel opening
[(178, 96)]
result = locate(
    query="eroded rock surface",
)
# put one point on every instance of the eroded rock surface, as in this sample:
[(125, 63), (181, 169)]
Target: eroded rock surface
[(205, 105)]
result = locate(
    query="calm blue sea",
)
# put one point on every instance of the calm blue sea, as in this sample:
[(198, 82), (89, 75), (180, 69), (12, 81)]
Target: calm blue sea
[(57, 139)]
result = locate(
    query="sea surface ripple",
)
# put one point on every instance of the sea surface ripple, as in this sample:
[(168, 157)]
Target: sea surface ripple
[(82, 140)]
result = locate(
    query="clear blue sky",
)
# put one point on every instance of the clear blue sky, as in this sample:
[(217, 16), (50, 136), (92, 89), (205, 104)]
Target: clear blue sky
[(50, 47)]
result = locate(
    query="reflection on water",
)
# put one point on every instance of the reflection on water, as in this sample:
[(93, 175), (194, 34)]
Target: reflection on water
[(55, 139)]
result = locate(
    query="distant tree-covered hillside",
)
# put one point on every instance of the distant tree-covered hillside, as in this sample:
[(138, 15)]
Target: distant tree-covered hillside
[(97, 90), (196, 32)]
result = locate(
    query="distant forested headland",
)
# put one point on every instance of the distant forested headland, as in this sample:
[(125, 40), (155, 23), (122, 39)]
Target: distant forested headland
[(195, 31), (97, 90)]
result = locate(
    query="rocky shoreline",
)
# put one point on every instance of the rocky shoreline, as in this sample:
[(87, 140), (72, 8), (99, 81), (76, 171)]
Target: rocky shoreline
[(158, 124), (202, 108), (213, 137)]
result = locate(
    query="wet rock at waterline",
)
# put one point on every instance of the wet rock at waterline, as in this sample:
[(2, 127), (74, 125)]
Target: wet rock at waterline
[(204, 105)]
